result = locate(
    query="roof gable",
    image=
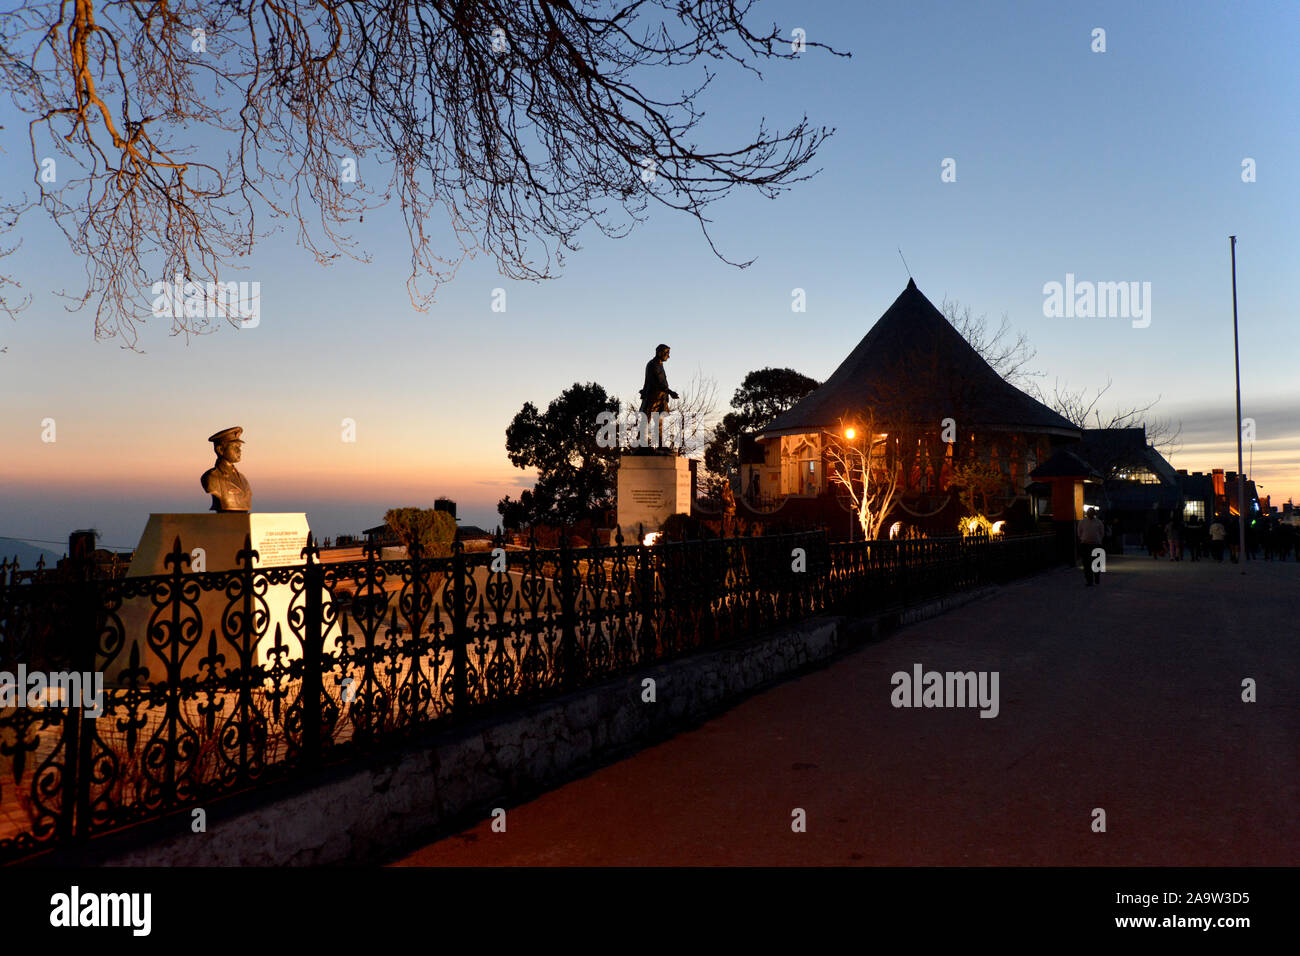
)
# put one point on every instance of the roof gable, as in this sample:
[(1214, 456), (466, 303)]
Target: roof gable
[(912, 365)]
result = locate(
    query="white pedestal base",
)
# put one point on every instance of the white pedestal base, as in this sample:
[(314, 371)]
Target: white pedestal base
[(213, 542), (650, 488)]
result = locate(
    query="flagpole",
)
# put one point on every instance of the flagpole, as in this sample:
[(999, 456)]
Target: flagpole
[(1236, 357)]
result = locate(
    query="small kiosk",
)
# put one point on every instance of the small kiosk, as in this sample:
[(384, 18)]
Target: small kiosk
[(1066, 473)]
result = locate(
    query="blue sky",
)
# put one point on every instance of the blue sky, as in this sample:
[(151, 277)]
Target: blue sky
[(1115, 166)]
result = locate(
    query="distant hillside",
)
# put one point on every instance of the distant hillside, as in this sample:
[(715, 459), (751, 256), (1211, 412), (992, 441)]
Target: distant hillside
[(28, 554)]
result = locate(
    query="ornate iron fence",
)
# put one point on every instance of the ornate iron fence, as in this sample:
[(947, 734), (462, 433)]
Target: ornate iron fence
[(222, 681)]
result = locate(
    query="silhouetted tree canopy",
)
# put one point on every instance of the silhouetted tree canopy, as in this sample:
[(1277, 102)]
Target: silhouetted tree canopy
[(762, 396), (575, 476)]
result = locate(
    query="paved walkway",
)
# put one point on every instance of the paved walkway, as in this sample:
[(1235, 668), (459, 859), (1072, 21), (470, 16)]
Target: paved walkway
[(1125, 697)]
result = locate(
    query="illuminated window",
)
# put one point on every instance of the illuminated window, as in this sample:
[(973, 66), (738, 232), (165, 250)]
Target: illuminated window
[(1141, 475), (1194, 509)]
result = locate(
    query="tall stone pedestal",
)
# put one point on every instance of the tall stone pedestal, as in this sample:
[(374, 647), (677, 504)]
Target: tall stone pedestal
[(650, 488), (213, 541)]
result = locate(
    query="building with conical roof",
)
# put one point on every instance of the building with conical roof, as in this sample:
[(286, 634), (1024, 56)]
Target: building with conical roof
[(912, 380)]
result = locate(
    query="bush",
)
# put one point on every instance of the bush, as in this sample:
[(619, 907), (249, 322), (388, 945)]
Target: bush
[(423, 530)]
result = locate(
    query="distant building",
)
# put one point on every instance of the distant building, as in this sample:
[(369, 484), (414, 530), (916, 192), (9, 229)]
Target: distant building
[(1200, 502), (474, 538), (1227, 494), (1138, 485), (1135, 486), (382, 536), (912, 368)]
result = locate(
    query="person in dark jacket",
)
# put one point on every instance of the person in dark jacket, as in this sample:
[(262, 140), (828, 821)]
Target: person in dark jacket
[(1153, 538), (1174, 534)]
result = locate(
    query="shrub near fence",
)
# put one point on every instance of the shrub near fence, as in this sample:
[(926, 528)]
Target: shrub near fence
[(193, 714)]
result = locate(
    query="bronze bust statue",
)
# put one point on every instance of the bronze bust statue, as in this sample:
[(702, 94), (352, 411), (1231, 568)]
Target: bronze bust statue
[(228, 488)]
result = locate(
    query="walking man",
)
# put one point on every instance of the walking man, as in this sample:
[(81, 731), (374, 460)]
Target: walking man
[(1217, 534), (1091, 533)]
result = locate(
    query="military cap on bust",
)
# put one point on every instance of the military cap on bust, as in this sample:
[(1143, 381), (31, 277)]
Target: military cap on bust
[(227, 434)]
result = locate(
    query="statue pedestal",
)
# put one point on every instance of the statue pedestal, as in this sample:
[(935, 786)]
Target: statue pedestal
[(277, 538), (650, 488), (213, 540)]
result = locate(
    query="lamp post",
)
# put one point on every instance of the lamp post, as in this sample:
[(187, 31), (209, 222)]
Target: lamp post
[(849, 433), (1236, 358)]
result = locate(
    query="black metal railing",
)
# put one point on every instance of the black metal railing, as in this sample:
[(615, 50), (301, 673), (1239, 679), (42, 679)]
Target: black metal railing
[(221, 681)]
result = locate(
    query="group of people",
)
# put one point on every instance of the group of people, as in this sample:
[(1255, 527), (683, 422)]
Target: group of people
[(1176, 539)]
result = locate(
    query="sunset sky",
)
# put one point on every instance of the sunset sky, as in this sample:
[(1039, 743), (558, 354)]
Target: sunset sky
[(1116, 166)]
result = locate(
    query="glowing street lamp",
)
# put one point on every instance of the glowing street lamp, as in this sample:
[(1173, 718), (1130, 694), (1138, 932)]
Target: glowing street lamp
[(850, 434)]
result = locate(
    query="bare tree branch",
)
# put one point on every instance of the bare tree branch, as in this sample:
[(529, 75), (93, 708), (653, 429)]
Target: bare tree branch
[(1008, 356), (1011, 357), (688, 424), (1084, 412), (176, 123), (868, 467)]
